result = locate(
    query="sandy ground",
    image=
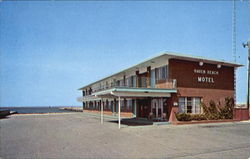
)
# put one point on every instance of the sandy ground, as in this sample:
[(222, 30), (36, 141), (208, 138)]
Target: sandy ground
[(77, 135)]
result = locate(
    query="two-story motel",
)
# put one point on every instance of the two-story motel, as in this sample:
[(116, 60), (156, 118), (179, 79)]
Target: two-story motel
[(157, 86)]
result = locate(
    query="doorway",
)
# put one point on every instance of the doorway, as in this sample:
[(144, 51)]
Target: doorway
[(157, 108), (143, 108)]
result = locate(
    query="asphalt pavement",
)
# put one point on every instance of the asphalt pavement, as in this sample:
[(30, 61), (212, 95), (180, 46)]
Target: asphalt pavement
[(77, 135)]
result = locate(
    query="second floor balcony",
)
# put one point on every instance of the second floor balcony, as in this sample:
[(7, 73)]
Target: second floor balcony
[(138, 82)]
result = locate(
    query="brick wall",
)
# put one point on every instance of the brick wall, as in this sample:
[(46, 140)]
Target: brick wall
[(184, 72), (216, 95), (220, 86), (241, 114)]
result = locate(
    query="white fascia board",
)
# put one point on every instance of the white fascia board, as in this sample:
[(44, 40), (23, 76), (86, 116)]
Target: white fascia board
[(140, 94)]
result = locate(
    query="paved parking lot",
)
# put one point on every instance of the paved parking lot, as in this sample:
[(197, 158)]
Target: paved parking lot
[(77, 135)]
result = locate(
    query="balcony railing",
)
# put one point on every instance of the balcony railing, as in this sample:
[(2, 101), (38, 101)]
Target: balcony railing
[(141, 82)]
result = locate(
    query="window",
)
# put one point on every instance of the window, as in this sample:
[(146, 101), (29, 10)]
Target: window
[(129, 81), (182, 104), (161, 73), (122, 105), (197, 107), (117, 83), (107, 84), (129, 104), (100, 86), (134, 81), (190, 105), (90, 91), (121, 83), (143, 81)]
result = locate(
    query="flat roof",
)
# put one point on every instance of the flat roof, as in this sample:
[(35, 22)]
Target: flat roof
[(171, 55)]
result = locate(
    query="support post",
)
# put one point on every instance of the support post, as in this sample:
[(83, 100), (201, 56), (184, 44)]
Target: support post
[(248, 72), (119, 112), (248, 76), (101, 111)]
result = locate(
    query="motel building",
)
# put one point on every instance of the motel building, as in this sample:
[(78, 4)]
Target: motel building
[(160, 86)]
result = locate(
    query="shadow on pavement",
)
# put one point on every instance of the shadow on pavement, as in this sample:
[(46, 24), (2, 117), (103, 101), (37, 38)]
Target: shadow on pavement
[(133, 122)]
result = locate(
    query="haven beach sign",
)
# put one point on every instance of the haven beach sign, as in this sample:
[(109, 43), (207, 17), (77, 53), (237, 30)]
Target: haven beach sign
[(203, 78)]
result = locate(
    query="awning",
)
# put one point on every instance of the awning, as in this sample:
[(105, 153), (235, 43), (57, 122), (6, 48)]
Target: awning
[(121, 92)]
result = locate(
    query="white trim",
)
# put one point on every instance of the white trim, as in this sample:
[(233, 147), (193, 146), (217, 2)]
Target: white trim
[(140, 94), (119, 112), (101, 111)]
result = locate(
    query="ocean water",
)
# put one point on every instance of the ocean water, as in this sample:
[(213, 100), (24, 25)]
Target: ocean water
[(31, 110)]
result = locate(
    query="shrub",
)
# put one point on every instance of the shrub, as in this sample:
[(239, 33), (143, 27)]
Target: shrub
[(189, 117), (214, 113), (226, 112), (198, 117), (183, 117), (211, 112), (212, 107)]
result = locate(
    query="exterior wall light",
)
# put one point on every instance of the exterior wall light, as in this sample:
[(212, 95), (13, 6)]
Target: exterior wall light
[(201, 63), (219, 66)]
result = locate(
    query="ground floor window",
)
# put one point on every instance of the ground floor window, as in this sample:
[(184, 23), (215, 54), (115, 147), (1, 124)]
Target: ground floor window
[(129, 104), (190, 105), (122, 105)]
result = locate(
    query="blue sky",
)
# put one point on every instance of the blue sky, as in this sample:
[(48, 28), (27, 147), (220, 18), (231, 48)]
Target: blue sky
[(50, 49)]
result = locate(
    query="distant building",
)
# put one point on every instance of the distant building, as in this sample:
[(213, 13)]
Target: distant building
[(157, 85)]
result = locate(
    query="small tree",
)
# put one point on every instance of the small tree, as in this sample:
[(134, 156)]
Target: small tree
[(210, 112), (226, 112)]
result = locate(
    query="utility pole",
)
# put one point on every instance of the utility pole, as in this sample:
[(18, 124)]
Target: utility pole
[(234, 31), (248, 76)]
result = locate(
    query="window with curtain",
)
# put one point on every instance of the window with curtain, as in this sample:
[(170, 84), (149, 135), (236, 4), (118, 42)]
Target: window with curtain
[(190, 105), (161, 73)]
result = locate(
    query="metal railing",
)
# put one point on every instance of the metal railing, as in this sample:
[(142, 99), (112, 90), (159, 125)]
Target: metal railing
[(141, 82)]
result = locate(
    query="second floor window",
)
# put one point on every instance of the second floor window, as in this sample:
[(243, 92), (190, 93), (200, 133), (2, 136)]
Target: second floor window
[(161, 73), (120, 83), (130, 81), (90, 91)]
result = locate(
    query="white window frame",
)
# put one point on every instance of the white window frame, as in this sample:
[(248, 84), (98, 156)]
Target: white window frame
[(159, 73), (193, 103)]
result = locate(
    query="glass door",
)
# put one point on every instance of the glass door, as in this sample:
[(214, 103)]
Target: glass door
[(157, 108)]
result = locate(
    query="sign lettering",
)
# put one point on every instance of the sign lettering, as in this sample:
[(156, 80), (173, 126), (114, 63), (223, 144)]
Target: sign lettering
[(204, 79)]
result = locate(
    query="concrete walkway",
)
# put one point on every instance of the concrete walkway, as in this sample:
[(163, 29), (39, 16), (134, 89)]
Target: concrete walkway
[(77, 135)]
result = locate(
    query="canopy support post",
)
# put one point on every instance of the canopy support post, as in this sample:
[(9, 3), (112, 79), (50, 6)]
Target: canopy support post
[(119, 112), (101, 111)]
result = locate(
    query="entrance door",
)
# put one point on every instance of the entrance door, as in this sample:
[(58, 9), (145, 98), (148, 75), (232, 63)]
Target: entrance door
[(157, 107), (143, 108)]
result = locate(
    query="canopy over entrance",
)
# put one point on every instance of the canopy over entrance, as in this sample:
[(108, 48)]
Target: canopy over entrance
[(128, 92)]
